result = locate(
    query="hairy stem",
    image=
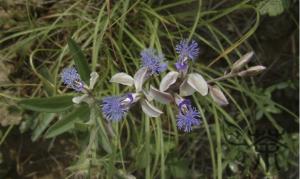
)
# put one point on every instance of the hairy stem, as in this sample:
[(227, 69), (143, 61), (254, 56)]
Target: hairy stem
[(230, 75)]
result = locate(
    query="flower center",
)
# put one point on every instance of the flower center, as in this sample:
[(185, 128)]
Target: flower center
[(184, 106), (127, 100)]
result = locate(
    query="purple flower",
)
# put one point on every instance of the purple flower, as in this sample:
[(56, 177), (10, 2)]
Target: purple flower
[(155, 62), (186, 51), (72, 79), (188, 116), (181, 64), (114, 108)]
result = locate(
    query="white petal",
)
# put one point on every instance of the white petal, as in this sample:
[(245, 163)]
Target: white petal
[(185, 89), (159, 96), (149, 109), (147, 95), (140, 78), (79, 99), (196, 81), (93, 79), (122, 78), (168, 80)]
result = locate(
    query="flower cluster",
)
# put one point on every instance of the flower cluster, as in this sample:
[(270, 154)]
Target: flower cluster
[(186, 51), (188, 116), (115, 108), (155, 63), (72, 79)]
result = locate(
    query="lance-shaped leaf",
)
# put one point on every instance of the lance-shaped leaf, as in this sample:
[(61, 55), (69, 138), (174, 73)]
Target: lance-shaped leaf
[(93, 79), (44, 119), (82, 126), (80, 61), (185, 89), (159, 96), (122, 78), (47, 80), (168, 80), (140, 78), (149, 109), (51, 104), (196, 81), (217, 95), (67, 123), (252, 71), (239, 64)]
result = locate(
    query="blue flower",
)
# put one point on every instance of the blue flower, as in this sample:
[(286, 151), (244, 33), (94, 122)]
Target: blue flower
[(187, 50), (188, 116), (72, 79), (181, 65), (155, 62), (114, 108)]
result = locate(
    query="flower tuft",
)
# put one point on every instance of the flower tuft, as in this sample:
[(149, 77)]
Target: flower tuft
[(187, 50), (115, 108), (188, 116), (181, 65), (72, 79), (155, 62)]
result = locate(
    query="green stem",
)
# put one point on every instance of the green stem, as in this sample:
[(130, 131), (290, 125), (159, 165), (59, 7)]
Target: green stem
[(147, 145), (210, 141), (230, 75), (6, 134), (219, 145)]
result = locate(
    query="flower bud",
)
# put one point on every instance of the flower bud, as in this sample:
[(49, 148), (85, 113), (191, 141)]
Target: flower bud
[(218, 96), (252, 71)]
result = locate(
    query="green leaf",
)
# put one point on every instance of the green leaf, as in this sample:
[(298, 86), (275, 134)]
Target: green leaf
[(271, 7), (104, 142), (141, 158), (51, 104), (50, 90), (179, 168), (82, 126), (103, 137), (44, 119), (80, 61), (67, 122)]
